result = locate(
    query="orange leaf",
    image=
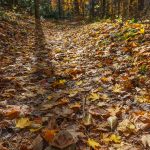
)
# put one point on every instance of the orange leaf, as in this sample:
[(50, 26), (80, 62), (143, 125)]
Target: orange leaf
[(75, 106), (11, 114), (48, 135)]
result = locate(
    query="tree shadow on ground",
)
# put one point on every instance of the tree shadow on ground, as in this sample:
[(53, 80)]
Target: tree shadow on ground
[(42, 53)]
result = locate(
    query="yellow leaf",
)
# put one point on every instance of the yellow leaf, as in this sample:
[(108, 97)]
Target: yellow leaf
[(62, 81), (23, 123), (143, 99), (126, 127), (105, 97), (114, 111), (73, 93), (104, 79), (115, 138), (49, 97), (59, 83), (75, 106), (79, 83), (112, 138), (117, 88), (35, 130), (95, 145), (142, 31), (94, 97)]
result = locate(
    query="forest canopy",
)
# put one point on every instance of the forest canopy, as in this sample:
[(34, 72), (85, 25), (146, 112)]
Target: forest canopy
[(85, 8)]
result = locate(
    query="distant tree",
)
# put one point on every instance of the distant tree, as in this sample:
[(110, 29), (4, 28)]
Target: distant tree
[(92, 4), (59, 8), (37, 5), (76, 7)]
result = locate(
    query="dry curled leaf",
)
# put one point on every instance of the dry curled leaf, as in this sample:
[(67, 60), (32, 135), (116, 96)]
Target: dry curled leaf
[(112, 121)]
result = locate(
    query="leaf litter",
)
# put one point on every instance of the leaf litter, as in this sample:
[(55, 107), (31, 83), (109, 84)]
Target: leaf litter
[(92, 78)]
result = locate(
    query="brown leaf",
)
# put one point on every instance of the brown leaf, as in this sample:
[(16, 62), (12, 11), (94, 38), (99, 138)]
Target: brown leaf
[(12, 113), (2, 147), (63, 139), (87, 120), (38, 143)]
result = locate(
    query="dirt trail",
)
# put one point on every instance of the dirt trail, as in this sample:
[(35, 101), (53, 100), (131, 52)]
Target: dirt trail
[(79, 75)]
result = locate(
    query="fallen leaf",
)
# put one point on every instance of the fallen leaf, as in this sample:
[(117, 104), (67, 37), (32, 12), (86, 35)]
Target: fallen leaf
[(105, 97), (115, 111), (143, 99), (48, 135), (59, 83), (105, 80), (49, 97), (75, 106), (94, 97), (62, 81), (112, 138), (2, 147), (112, 121), (62, 101), (126, 127), (38, 143), (146, 140), (12, 113), (117, 88), (115, 138), (142, 31), (73, 93), (63, 139), (87, 120), (79, 83), (23, 123), (92, 143)]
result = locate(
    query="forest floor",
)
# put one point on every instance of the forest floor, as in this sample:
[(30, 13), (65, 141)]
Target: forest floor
[(73, 84)]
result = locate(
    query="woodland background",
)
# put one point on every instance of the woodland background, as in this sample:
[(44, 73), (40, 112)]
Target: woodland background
[(74, 74), (84, 8)]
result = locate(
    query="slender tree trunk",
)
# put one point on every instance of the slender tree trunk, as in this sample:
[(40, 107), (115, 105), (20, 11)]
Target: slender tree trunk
[(140, 5), (37, 5), (104, 8), (59, 8), (92, 4), (76, 7)]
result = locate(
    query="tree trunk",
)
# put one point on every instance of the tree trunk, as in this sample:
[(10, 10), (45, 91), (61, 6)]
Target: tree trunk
[(76, 7), (92, 4), (59, 8), (104, 8), (37, 5), (140, 5)]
